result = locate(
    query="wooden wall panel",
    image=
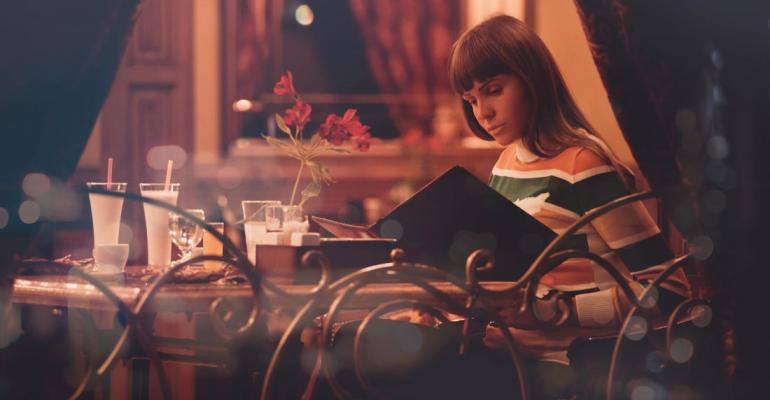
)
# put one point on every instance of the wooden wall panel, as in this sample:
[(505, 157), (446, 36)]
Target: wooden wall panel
[(151, 101), (153, 35)]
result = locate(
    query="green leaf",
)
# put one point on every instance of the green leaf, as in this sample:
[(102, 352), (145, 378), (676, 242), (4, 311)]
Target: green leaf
[(315, 170), (315, 140), (325, 175), (341, 150), (319, 172), (313, 189), (284, 146), (282, 124)]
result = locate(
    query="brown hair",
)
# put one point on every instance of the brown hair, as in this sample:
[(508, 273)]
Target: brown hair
[(504, 45)]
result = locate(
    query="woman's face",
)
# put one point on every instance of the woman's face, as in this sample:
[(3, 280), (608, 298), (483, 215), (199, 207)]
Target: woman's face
[(500, 106)]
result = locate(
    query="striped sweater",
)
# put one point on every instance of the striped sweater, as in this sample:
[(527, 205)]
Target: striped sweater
[(559, 190)]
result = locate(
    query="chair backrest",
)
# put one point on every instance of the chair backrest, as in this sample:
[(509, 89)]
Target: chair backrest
[(679, 355)]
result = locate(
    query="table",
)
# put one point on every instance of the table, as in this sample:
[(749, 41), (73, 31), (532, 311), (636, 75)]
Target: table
[(178, 310)]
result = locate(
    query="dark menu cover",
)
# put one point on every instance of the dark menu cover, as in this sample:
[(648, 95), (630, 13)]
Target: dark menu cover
[(452, 216)]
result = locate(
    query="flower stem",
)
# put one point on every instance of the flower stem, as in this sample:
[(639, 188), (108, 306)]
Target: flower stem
[(296, 182)]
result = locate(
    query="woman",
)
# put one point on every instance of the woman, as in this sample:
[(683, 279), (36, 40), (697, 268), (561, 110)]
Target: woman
[(557, 168)]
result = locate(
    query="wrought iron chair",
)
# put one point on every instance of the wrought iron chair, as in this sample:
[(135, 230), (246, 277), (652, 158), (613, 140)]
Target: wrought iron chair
[(478, 306), (478, 302)]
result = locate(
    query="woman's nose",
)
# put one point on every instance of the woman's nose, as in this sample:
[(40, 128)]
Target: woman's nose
[(486, 111)]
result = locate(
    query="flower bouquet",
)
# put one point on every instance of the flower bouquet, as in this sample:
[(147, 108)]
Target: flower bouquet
[(333, 133)]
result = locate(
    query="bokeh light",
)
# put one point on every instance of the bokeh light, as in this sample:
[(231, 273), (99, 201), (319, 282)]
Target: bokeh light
[(716, 92), (716, 58), (229, 177), (645, 389), (652, 298), (643, 392), (703, 315), (681, 350), (158, 156), (29, 212), (35, 184), (720, 174), (4, 217), (408, 338), (60, 203), (637, 328), (717, 147), (685, 120), (701, 247), (392, 229), (682, 392), (304, 15), (242, 105), (656, 362)]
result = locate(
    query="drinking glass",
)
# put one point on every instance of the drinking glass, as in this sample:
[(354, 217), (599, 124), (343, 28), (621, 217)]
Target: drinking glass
[(185, 233), (285, 219), (254, 226), (156, 221), (105, 218), (105, 212)]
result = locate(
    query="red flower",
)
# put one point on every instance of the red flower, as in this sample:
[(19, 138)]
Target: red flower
[(285, 86), (299, 115), (338, 130), (362, 143), (333, 131)]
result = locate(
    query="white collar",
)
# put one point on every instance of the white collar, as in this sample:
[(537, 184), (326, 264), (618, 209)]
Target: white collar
[(523, 154)]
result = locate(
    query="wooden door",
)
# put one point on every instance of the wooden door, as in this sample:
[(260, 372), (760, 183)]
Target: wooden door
[(150, 103)]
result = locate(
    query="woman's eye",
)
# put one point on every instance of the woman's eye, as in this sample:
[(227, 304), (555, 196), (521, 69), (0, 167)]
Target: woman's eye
[(494, 90)]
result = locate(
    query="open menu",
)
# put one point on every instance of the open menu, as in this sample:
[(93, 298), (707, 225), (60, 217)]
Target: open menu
[(452, 216)]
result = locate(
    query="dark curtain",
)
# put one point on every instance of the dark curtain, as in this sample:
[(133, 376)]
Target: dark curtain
[(257, 20), (689, 83), (407, 45), (58, 62)]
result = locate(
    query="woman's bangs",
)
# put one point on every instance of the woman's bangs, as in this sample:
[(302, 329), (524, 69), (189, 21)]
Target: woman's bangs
[(474, 62)]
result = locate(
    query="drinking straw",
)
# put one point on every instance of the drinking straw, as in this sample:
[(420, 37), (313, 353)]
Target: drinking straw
[(168, 174), (109, 173)]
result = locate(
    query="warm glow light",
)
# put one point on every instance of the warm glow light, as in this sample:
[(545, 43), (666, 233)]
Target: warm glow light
[(242, 105), (637, 328), (229, 177), (304, 15), (29, 212), (681, 350), (158, 156), (3, 217), (35, 184)]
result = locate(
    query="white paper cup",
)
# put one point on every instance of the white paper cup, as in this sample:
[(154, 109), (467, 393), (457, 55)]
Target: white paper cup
[(110, 258)]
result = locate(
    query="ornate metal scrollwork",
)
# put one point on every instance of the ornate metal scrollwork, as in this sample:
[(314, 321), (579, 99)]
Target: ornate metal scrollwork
[(133, 327), (478, 300)]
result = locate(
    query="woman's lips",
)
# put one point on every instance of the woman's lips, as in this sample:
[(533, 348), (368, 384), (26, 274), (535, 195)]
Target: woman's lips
[(492, 129)]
